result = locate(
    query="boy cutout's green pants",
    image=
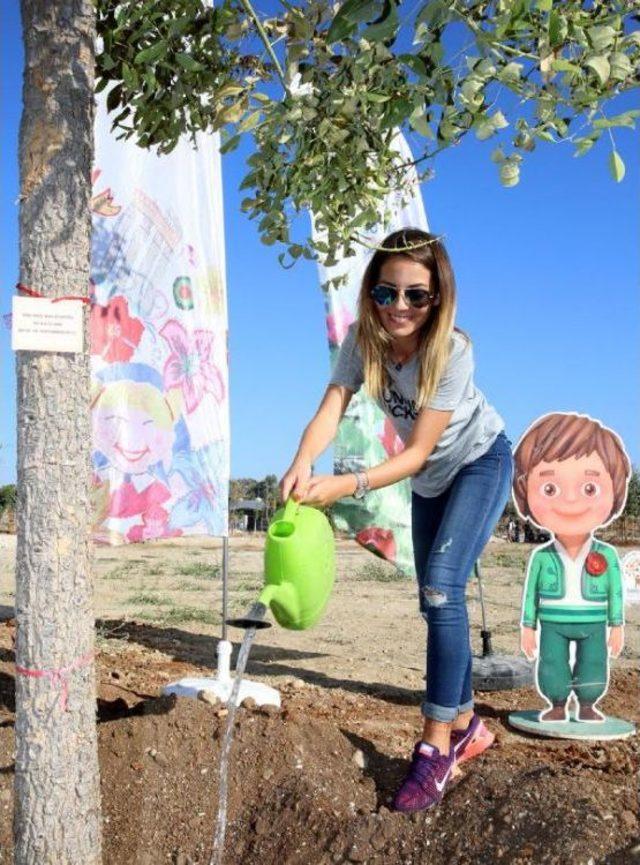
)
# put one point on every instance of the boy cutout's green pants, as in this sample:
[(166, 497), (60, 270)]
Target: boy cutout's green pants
[(589, 677)]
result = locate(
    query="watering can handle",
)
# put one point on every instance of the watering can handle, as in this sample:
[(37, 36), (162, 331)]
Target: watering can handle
[(290, 510)]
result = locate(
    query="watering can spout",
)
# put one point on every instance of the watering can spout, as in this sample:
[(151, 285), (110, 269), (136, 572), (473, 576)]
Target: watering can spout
[(253, 618)]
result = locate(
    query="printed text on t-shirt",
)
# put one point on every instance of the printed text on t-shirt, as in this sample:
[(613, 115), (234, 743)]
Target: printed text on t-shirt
[(398, 405)]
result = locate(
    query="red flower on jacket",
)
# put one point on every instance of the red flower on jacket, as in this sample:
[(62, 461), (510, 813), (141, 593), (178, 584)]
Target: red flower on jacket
[(114, 333), (379, 541), (595, 564)]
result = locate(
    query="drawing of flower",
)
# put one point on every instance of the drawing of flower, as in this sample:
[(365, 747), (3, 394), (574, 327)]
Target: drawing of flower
[(114, 333), (189, 366), (379, 541), (205, 501), (155, 525)]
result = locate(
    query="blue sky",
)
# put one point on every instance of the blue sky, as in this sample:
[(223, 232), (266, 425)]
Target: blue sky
[(547, 275)]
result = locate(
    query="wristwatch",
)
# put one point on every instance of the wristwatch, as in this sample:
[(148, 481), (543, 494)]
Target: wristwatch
[(362, 485)]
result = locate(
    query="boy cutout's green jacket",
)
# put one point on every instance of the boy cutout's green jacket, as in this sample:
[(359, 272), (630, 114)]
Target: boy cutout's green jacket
[(546, 579)]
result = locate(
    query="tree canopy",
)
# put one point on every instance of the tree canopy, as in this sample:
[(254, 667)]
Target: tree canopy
[(334, 81)]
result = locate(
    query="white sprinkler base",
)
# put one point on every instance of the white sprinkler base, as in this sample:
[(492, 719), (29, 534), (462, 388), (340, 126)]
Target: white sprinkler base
[(222, 684)]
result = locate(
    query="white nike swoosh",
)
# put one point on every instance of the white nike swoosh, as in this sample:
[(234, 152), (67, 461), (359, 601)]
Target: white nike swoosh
[(440, 785)]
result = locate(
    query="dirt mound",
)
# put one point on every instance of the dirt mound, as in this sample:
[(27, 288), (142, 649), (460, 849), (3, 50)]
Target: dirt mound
[(311, 785)]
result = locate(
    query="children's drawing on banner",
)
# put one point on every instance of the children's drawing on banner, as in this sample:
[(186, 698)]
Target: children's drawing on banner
[(571, 478), (158, 329)]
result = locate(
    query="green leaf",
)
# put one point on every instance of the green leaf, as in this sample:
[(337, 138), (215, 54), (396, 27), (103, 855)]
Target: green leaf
[(418, 121), (557, 28), (561, 65), (113, 97), (621, 67), (377, 97), (600, 66), (230, 144), (415, 64), (584, 145), (511, 72), (385, 30), (153, 52), (544, 5), (187, 62), (624, 119), (250, 121), (509, 173), (106, 62), (349, 15), (130, 77), (601, 36), (616, 166)]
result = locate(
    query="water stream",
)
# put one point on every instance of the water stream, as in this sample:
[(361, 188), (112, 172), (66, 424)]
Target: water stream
[(241, 663)]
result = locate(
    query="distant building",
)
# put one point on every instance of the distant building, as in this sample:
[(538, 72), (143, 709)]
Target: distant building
[(247, 515)]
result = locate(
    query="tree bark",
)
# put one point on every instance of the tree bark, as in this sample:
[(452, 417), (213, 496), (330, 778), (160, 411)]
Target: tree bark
[(57, 804)]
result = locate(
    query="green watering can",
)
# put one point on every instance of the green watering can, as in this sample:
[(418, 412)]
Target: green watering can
[(299, 569)]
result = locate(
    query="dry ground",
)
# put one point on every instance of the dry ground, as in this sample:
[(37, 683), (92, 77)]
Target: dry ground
[(351, 688)]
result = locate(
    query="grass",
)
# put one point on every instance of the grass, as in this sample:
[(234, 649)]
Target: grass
[(199, 569), (188, 586), (176, 615), (123, 570), (377, 573), (142, 598)]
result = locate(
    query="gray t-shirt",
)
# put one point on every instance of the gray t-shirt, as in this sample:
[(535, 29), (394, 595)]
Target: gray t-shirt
[(473, 426)]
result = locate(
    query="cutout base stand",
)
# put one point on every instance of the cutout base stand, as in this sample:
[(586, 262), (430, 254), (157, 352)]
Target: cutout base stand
[(610, 728)]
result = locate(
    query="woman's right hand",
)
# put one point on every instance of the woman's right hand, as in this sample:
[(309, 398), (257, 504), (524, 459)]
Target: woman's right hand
[(295, 480)]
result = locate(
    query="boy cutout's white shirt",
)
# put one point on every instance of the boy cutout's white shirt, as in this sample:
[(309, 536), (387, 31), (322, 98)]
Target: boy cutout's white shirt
[(572, 578)]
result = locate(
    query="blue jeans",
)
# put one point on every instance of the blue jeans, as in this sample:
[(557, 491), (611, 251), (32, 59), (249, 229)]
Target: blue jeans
[(449, 534)]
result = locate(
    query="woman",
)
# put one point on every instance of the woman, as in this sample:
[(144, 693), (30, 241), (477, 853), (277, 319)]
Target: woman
[(411, 359)]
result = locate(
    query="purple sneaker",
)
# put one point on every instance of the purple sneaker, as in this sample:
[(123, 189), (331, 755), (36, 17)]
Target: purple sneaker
[(426, 779), (470, 742)]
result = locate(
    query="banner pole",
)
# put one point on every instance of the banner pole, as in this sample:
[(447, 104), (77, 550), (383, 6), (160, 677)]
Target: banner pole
[(225, 578)]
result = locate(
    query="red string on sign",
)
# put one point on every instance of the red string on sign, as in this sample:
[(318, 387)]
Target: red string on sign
[(33, 293), (59, 677)]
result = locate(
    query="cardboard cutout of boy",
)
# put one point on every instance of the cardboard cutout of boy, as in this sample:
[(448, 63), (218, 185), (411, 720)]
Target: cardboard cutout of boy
[(571, 478)]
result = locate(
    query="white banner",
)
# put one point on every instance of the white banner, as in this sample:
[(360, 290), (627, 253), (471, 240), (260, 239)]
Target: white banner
[(381, 521), (158, 340)]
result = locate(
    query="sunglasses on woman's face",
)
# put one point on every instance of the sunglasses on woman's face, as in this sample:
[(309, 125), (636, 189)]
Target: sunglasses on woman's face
[(385, 295)]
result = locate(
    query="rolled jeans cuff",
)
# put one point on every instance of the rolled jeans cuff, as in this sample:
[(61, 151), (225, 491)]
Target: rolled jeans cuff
[(446, 714)]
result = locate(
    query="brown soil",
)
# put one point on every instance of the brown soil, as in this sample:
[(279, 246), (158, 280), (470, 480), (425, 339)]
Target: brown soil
[(311, 785)]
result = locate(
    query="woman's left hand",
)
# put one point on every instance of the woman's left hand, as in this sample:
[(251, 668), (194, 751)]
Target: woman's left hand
[(324, 490)]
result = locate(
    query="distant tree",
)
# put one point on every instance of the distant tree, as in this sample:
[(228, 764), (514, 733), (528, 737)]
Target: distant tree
[(7, 496), (632, 507)]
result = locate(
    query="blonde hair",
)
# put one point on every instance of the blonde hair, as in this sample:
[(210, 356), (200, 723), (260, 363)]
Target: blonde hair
[(136, 395), (435, 338)]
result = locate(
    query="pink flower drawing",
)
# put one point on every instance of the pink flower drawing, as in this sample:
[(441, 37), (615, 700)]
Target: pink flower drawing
[(189, 366), (338, 323), (155, 525)]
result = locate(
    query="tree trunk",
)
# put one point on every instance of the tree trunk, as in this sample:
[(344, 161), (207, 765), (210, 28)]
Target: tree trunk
[(57, 811)]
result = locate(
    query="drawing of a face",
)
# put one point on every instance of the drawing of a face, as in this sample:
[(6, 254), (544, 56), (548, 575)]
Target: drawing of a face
[(133, 427), (572, 496)]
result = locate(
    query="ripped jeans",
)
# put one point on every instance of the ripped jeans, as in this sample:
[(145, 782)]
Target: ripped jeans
[(449, 534)]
